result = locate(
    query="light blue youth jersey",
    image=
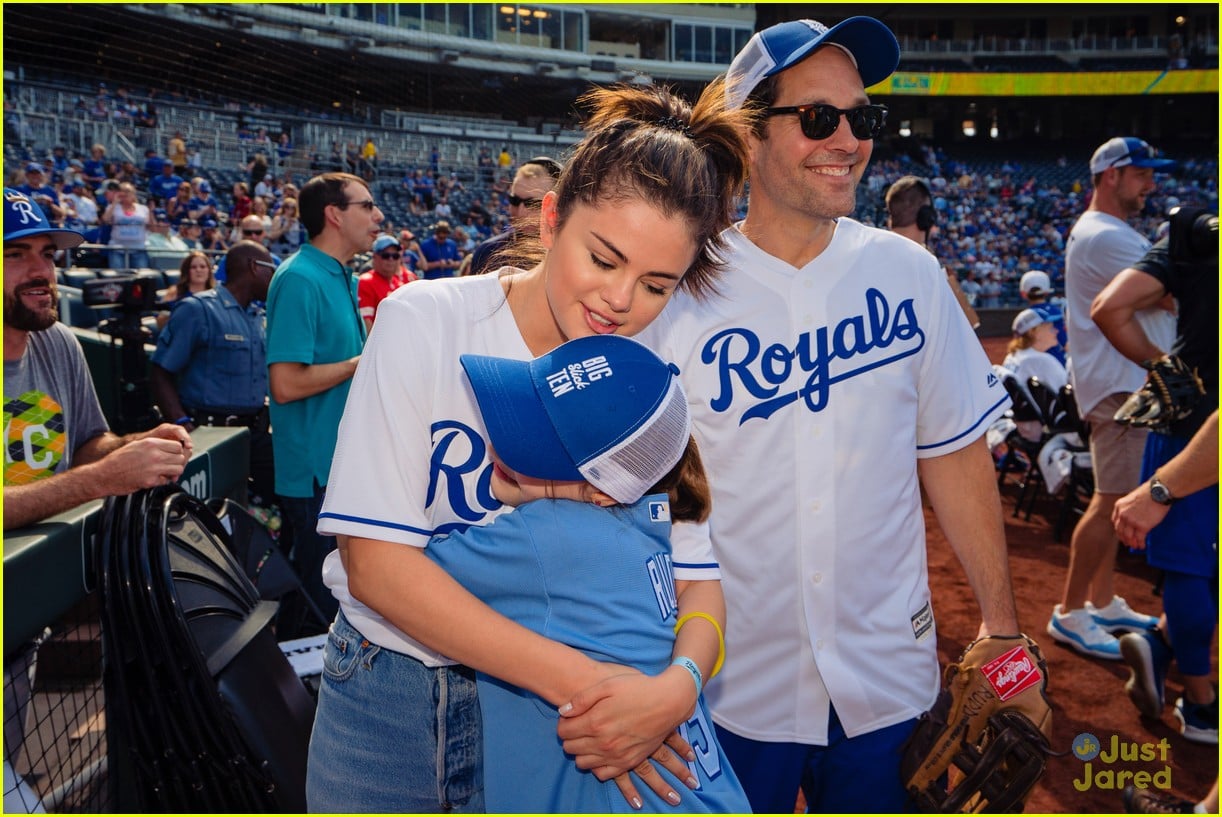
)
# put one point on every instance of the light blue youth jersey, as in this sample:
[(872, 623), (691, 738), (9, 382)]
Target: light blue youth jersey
[(601, 581)]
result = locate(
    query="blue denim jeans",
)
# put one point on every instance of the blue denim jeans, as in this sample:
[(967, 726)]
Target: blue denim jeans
[(128, 259), (392, 735)]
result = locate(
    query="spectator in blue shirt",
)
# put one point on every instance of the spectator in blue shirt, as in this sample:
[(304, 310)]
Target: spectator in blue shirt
[(164, 186), (152, 164), (41, 193), (440, 253), (215, 347), (203, 203)]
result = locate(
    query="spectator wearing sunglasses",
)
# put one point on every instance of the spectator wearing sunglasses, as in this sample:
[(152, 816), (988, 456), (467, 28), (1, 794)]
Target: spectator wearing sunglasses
[(252, 228), (439, 253), (384, 277), (831, 348), (314, 339), (535, 178)]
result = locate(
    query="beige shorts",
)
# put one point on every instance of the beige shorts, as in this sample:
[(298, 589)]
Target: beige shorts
[(1115, 449)]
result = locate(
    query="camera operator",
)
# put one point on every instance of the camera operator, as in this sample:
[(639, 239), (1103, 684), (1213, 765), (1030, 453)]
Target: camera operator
[(59, 450), (1183, 545)]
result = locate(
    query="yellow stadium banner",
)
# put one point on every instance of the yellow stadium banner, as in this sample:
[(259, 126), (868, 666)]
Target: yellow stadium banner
[(1096, 83)]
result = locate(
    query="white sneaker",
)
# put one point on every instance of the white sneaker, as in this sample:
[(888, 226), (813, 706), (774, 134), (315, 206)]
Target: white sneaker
[(1118, 615), (1078, 629)]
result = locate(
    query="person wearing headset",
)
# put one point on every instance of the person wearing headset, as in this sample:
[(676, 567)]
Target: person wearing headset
[(910, 213)]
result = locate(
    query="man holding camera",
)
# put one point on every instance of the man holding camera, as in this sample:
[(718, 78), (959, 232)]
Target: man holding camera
[(59, 451), (1184, 544)]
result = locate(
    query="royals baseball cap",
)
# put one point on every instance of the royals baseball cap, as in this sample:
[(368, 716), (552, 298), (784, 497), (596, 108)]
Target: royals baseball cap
[(1034, 281), (383, 241), (23, 218), (603, 409), (34, 167), (1122, 151), (1027, 320), (870, 44)]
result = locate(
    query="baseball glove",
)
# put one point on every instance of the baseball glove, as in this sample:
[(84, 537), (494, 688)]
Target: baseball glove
[(1171, 392), (983, 745)]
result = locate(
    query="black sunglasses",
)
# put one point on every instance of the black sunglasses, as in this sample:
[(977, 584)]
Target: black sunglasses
[(365, 204), (517, 201), (388, 255), (820, 121), (252, 232)]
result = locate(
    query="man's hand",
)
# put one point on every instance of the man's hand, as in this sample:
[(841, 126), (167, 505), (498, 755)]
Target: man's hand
[(145, 462), (1135, 514)]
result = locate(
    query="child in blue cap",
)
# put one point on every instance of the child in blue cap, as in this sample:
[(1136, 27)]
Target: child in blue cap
[(592, 442)]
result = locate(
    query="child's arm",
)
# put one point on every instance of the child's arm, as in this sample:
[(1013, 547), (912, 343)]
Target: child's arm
[(697, 639)]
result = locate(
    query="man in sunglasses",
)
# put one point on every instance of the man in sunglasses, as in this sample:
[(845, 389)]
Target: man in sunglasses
[(1101, 245), (386, 274), (314, 340), (530, 184), (832, 369)]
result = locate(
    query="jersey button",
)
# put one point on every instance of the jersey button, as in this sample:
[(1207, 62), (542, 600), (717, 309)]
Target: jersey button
[(816, 506), (817, 578)]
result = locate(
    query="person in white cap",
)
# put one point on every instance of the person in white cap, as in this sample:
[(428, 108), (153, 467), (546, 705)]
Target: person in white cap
[(1100, 246), (1028, 356), (1036, 288), (60, 451), (831, 370)]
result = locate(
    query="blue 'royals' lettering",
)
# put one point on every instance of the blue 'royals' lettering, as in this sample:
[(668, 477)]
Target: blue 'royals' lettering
[(762, 371), (458, 450)]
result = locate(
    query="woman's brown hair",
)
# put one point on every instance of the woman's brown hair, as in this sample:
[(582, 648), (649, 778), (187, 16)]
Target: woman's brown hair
[(649, 143)]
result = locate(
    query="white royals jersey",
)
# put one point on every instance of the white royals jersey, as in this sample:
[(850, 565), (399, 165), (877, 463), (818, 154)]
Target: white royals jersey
[(814, 391), (411, 460)]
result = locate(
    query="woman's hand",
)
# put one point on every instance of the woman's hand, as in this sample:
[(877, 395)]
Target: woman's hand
[(626, 723)]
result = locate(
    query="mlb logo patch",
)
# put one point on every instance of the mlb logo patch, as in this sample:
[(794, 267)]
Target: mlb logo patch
[(1011, 673), (659, 511)]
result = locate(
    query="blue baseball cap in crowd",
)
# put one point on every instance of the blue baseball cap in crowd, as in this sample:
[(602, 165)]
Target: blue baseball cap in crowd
[(205, 187), (383, 241), (160, 215), (23, 218), (604, 409), (870, 44), (35, 167), (1123, 151)]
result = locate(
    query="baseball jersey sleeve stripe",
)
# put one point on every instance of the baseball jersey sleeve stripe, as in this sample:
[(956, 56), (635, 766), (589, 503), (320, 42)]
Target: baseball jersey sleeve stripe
[(988, 415)]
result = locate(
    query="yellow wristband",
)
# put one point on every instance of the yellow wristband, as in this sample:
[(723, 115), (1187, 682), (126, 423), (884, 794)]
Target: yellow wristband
[(721, 638)]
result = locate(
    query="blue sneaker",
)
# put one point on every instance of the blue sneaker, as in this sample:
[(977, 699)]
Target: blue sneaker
[(1078, 629), (1118, 615), (1148, 656), (1198, 722)]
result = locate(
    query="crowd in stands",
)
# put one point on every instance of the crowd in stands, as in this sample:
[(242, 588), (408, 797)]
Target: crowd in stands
[(997, 222)]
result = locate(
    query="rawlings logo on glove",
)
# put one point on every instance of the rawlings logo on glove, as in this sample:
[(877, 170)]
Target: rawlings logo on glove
[(984, 744)]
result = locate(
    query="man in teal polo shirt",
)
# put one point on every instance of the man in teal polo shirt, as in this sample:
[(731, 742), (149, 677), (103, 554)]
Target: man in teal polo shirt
[(314, 339)]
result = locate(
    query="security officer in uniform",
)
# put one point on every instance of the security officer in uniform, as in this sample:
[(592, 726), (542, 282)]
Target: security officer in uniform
[(215, 345)]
